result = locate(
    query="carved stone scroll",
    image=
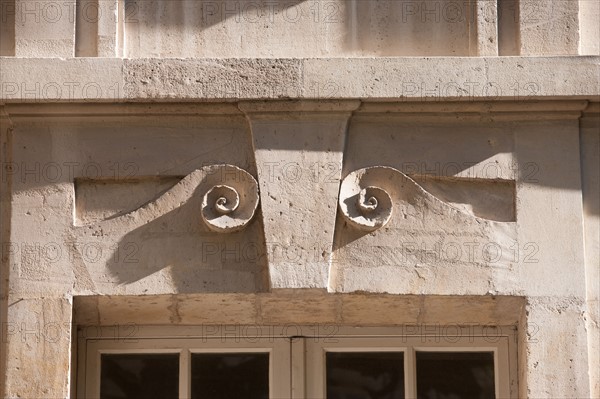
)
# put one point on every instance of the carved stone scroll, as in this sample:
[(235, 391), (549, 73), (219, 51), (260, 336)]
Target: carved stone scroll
[(229, 199), (229, 206), (364, 200)]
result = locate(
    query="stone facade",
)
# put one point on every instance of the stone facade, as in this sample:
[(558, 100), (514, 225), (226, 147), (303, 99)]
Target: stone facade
[(342, 163)]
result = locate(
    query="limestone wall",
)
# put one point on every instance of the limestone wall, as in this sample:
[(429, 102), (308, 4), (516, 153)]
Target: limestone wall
[(337, 163), (106, 202), (309, 28)]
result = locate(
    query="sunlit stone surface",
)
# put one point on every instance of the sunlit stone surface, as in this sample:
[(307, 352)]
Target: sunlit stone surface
[(337, 163)]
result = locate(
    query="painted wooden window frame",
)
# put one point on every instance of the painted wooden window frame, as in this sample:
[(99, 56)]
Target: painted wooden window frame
[(297, 353)]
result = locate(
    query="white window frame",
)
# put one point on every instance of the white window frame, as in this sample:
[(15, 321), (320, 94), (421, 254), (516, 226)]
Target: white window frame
[(159, 340), (316, 355), (297, 353)]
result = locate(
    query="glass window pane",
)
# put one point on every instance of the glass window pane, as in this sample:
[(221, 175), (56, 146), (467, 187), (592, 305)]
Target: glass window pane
[(230, 375), (454, 375), (133, 376), (365, 375)]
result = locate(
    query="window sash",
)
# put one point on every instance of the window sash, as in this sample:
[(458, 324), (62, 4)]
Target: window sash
[(316, 353), (297, 353), (278, 349)]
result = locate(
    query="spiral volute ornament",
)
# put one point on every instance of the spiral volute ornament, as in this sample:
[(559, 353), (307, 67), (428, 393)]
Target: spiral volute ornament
[(224, 198), (232, 199), (363, 202)]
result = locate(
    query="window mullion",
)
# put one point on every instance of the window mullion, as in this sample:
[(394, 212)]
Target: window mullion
[(184, 374), (410, 375), (298, 370)]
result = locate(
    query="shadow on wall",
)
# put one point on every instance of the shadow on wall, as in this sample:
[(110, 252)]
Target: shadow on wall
[(167, 28), (177, 251), (201, 13), (198, 259), (294, 28), (474, 155), (407, 28)]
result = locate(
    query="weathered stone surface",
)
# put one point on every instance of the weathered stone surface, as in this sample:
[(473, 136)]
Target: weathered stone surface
[(300, 158), (203, 285), (97, 200), (550, 27), (337, 28), (298, 308), (462, 181), (43, 28), (590, 159), (433, 79), (555, 333), (144, 245), (136, 251), (61, 80), (304, 29), (549, 253), (416, 79), (589, 13), (433, 256), (38, 347), (212, 78), (176, 280)]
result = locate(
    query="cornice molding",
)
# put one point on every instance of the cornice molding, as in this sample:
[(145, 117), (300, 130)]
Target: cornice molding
[(443, 111)]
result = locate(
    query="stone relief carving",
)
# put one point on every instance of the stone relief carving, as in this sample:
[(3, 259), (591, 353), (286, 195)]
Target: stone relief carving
[(104, 199), (366, 203), (363, 199), (229, 207), (175, 240), (392, 230), (384, 214), (229, 201)]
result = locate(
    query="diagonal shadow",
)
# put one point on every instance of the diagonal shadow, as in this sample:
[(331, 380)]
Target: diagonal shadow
[(197, 259)]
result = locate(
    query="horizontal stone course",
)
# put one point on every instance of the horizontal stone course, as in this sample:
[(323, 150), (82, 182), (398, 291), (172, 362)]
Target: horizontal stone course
[(383, 79)]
